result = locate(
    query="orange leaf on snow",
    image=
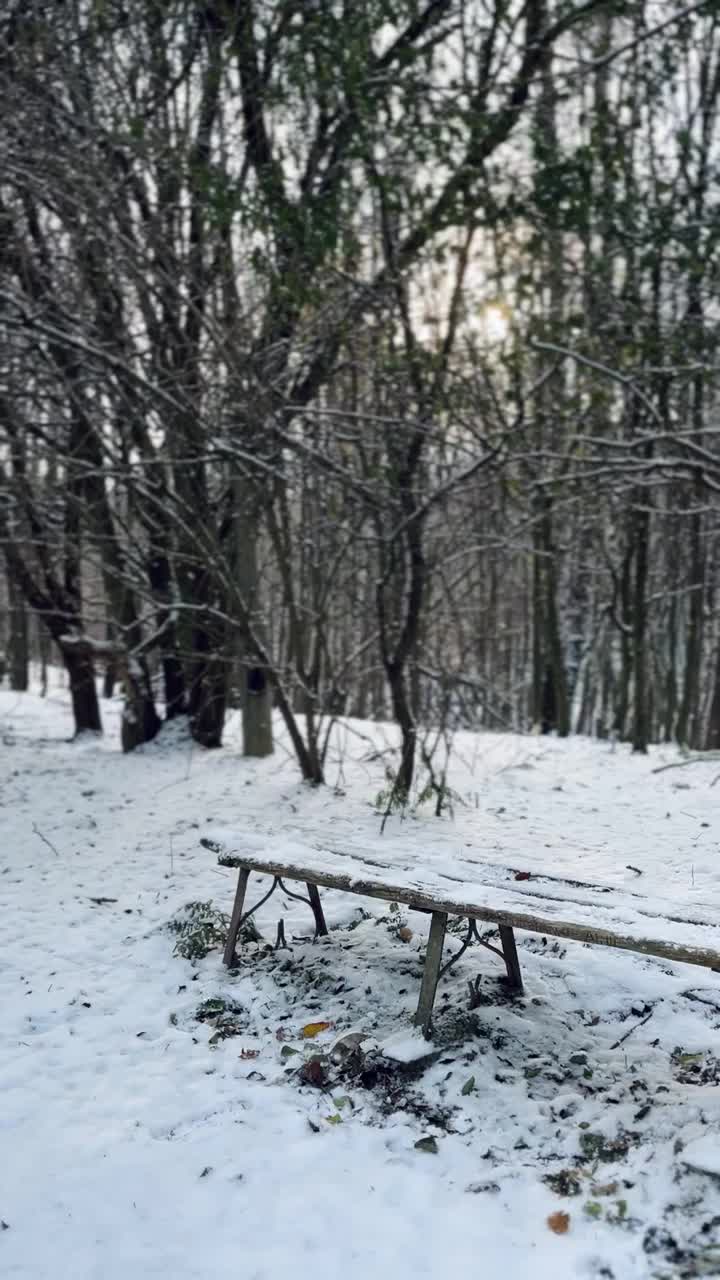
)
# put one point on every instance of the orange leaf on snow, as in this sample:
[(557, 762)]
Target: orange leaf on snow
[(313, 1029), (559, 1222)]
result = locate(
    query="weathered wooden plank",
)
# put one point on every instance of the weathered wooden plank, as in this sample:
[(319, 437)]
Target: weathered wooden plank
[(530, 913), (512, 964), (236, 917), (431, 971)]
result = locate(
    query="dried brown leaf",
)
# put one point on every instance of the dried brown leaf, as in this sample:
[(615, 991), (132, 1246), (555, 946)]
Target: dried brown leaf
[(559, 1223)]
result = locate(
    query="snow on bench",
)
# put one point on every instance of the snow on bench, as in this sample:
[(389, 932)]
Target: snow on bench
[(467, 886)]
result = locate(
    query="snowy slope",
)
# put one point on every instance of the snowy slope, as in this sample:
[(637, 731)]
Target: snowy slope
[(137, 1143)]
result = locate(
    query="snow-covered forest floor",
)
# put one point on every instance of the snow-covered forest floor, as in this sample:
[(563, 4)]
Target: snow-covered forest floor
[(161, 1117)]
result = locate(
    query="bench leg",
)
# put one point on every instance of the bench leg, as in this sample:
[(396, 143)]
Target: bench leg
[(236, 917), (314, 896), (512, 964), (431, 972)]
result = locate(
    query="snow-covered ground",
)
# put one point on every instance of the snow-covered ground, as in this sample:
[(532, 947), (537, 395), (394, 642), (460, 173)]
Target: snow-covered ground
[(163, 1118)]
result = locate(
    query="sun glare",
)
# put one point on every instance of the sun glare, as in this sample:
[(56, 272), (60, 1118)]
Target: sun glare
[(494, 322)]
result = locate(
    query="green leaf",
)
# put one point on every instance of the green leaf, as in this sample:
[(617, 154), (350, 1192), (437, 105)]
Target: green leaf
[(287, 1051), (468, 1087), (593, 1209)]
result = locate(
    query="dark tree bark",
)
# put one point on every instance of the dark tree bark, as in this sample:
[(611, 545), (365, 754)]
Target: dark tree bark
[(687, 715), (641, 725), (140, 720), (552, 702), (18, 655), (81, 673), (712, 735), (159, 576), (208, 668)]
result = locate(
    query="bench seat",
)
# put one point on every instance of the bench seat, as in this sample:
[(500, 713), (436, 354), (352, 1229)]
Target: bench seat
[(467, 886)]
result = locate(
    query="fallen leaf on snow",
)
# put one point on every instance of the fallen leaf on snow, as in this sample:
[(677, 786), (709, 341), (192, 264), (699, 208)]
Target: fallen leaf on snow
[(312, 1029), (313, 1072), (247, 1054), (559, 1222)]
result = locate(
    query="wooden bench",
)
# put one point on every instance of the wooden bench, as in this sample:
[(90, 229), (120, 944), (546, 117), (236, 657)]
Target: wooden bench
[(469, 887)]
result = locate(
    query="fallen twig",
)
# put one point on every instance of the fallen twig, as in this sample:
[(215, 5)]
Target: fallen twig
[(627, 1035), (680, 764), (45, 840)]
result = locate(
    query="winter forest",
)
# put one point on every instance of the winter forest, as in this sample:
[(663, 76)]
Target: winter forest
[(361, 359), (359, 416)]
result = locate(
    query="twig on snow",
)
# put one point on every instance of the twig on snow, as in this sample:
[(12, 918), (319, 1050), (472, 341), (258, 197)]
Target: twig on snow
[(45, 840), (680, 764), (627, 1035)]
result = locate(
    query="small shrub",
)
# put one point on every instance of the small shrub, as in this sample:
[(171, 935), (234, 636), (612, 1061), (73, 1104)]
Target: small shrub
[(199, 928)]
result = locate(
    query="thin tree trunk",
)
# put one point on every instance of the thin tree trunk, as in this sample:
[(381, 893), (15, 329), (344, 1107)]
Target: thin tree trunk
[(160, 578), (712, 734), (18, 644), (687, 715), (110, 675), (208, 681), (256, 702), (641, 727)]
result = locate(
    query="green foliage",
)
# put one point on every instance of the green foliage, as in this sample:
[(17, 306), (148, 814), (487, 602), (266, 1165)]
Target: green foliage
[(199, 928), (394, 799), (223, 1015), (596, 1147), (567, 1182)]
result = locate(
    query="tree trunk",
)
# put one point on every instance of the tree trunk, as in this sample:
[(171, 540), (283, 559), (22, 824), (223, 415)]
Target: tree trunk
[(159, 576), (538, 661), (622, 700), (18, 658), (208, 679), (81, 674), (44, 648), (256, 703), (685, 728), (550, 690), (257, 714), (408, 729), (641, 727), (712, 735), (110, 675), (140, 720)]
